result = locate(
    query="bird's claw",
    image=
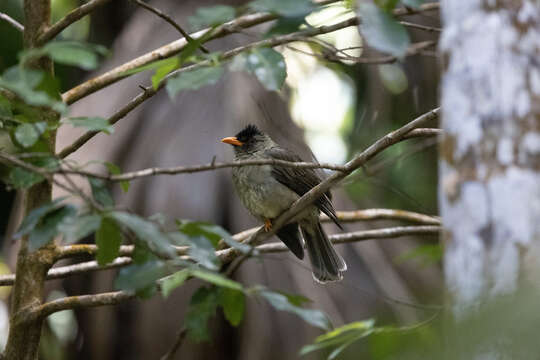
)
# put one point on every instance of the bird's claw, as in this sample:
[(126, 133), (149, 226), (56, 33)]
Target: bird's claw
[(267, 225)]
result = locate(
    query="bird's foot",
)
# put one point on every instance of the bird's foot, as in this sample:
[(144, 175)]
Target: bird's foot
[(267, 225)]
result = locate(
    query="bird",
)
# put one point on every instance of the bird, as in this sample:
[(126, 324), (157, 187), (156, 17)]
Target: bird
[(268, 190)]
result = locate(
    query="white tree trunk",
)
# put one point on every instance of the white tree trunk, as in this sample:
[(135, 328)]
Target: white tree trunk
[(489, 189)]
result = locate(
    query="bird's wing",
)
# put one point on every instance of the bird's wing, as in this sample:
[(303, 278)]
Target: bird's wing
[(300, 180)]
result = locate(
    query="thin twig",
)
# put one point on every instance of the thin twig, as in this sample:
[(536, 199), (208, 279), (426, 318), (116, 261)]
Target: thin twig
[(73, 16), (206, 167), (234, 26), (49, 176), (214, 166), (170, 21), (420, 27), (11, 21), (177, 343), (363, 235)]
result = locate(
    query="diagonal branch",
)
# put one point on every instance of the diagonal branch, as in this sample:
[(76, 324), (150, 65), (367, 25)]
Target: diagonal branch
[(351, 166), (169, 20), (11, 21), (73, 16), (81, 301)]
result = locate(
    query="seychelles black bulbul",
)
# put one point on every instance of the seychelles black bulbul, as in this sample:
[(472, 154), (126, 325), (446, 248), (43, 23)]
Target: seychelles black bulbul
[(268, 190)]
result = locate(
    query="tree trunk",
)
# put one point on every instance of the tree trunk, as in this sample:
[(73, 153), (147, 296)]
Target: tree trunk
[(32, 267), (489, 188)]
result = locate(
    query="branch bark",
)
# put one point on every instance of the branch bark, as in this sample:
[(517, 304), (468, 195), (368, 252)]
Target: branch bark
[(32, 267), (73, 16)]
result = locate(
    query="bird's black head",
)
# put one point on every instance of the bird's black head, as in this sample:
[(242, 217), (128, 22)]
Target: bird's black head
[(249, 140), (247, 134)]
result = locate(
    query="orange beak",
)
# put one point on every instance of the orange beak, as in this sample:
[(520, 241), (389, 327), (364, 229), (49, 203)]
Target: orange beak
[(232, 140)]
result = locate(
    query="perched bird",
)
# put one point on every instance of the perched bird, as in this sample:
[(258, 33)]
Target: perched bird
[(268, 190)]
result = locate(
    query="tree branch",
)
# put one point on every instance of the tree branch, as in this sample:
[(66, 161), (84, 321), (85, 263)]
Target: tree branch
[(75, 302), (11, 21), (73, 16), (170, 21), (357, 236), (229, 254), (175, 47), (226, 256)]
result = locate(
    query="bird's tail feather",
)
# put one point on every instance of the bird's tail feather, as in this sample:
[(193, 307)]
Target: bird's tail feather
[(290, 235), (327, 265)]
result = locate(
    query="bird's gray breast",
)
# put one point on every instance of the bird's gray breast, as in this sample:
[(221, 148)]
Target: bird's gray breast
[(260, 192)]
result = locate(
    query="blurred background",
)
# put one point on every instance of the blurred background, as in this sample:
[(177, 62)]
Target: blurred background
[(334, 109)]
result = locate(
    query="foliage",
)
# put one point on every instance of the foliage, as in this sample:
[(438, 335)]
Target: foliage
[(34, 110)]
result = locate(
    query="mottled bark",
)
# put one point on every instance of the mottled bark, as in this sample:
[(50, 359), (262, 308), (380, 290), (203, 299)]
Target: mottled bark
[(489, 168), (24, 335)]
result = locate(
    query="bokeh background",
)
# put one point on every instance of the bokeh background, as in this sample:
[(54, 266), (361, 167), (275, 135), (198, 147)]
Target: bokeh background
[(334, 109)]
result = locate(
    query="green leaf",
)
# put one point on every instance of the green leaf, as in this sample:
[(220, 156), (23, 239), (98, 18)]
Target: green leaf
[(165, 68), (100, 192), (382, 32), (341, 337), (286, 8), (25, 83), (233, 303), (212, 232), (171, 282), (146, 231), (21, 178), (285, 25), (108, 240), (193, 80), (115, 170), (151, 66), (386, 5), (5, 107), (28, 134), (211, 16), (216, 279), (33, 218), (79, 227), (72, 53), (202, 251), (266, 64), (91, 123), (48, 226), (202, 307), (281, 302), (141, 277), (426, 254), (393, 78)]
